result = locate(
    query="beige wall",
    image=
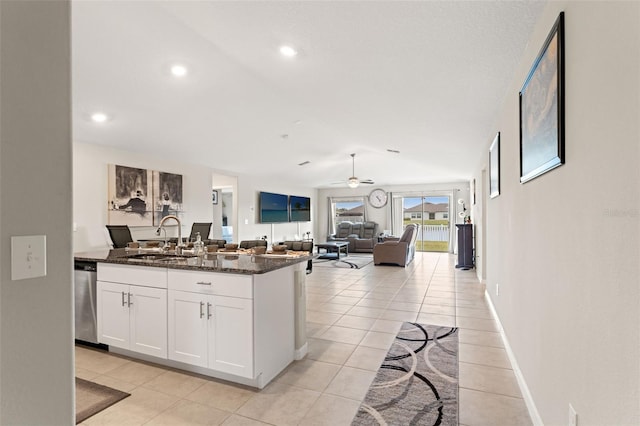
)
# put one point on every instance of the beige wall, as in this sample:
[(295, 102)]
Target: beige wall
[(90, 197), (90, 192), (249, 227), (564, 247), (36, 315)]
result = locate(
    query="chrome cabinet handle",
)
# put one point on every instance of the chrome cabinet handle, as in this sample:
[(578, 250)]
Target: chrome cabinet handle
[(209, 314), (123, 302), (129, 300), (203, 283), (201, 306)]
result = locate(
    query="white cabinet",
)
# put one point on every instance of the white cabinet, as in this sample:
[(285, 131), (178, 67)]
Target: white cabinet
[(188, 328), (211, 331), (132, 317), (231, 335), (237, 327)]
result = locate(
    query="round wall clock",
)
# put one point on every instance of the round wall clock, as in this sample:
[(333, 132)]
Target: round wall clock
[(378, 198)]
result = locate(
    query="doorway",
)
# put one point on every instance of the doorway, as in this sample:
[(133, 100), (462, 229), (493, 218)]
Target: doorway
[(431, 212), (224, 199)]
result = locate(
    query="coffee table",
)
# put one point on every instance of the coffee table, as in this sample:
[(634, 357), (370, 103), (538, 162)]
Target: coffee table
[(332, 249)]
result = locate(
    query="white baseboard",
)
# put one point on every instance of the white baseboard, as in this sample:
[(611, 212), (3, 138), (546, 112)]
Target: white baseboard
[(301, 352), (526, 395)]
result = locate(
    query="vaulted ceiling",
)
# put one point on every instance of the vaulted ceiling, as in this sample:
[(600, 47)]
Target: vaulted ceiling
[(424, 78)]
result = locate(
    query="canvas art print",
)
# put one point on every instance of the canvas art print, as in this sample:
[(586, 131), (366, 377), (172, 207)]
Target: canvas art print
[(542, 109), (129, 196), (167, 191)]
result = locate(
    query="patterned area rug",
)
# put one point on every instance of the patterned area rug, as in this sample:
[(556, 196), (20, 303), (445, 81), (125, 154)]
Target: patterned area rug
[(417, 383), (351, 261), (91, 398)]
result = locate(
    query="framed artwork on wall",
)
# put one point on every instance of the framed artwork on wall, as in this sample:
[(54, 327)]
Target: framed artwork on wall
[(494, 167), (473, 191), (167, 193), (129, 196), (542, 109)]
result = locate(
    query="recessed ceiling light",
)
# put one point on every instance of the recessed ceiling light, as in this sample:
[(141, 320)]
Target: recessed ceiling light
[(288, 51), (178, 70), (99, 117)]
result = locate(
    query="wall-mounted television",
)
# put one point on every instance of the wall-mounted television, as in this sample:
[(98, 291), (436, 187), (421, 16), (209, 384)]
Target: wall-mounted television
[(299, 208), (274, 208)]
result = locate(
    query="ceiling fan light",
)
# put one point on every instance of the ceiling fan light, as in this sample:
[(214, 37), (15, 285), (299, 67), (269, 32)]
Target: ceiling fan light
[(353, 182)]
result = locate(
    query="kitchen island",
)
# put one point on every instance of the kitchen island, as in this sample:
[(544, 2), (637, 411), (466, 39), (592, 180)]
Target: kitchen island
[(234, 316)]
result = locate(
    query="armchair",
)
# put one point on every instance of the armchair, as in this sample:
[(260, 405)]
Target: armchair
[(399, 252)]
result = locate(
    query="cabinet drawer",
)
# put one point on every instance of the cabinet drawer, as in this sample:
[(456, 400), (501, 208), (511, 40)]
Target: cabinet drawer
[(211, 283), (137, 275)]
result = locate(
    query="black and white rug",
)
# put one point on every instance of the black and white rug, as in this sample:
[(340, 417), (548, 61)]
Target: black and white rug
[(352, 261), (417, 383)]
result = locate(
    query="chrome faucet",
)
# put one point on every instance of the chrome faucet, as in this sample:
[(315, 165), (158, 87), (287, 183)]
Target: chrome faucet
[(161, 228)]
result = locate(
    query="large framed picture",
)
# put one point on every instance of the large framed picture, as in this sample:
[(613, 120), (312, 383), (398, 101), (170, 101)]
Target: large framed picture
[(494, 167), (129, 196), (542, 109)]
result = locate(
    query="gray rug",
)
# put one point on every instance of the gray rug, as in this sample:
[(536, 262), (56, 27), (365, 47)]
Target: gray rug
[(349, 262), (91, 398), (417, 383)]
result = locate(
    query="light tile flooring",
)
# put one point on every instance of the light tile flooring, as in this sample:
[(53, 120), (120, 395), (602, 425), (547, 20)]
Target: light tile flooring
[(352, 317)]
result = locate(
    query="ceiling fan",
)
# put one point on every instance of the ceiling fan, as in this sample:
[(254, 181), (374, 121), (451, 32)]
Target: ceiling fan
[(353, 181)]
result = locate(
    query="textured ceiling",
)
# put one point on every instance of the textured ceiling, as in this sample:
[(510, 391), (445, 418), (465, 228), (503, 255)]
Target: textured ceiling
[(425, 78)]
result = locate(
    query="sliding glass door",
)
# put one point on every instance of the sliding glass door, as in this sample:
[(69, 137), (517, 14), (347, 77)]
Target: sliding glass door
[(431, 212)]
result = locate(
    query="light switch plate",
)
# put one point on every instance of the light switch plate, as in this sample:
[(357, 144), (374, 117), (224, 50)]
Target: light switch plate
[(28, 257)]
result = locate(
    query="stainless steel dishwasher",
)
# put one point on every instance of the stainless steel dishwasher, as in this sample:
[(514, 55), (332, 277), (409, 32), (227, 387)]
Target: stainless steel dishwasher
[(84, 283)]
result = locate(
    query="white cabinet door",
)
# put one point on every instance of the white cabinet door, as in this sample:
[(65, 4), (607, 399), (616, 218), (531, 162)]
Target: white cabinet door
[(113, 314), (188, 327), (231, 335), (148, 316)]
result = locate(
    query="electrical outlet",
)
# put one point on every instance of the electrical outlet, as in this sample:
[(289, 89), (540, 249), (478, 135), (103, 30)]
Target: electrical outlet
[(573, 416), (497, 289)]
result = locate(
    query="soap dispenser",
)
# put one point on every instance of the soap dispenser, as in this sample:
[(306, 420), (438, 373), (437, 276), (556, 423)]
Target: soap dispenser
[(198, 245)]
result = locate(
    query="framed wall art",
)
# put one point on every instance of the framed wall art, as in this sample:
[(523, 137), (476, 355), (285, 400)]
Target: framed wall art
[(494, 167), (129, 196), (542, 109), (167, 194)]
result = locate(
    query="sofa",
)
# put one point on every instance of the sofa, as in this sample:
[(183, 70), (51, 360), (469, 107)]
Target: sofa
[(361, 236), (306, 245), (248, 244), (207, 242), (397, 251)]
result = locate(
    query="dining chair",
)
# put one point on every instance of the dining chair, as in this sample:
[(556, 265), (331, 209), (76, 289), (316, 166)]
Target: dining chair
[(120, 235)]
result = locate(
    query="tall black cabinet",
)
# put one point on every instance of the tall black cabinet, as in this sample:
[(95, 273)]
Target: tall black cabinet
[(465, 246)]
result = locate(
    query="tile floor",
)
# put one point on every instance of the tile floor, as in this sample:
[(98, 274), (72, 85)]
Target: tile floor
[(353, 315)]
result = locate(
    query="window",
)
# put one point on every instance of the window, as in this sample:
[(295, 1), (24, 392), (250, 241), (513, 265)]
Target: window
[(350, 209)]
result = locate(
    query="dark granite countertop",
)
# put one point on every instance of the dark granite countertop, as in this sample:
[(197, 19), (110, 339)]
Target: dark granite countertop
[(235, 263)]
